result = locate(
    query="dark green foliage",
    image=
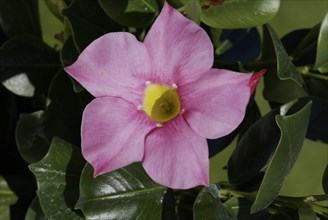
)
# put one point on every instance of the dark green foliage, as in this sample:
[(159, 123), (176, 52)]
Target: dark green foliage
[(42, 172)]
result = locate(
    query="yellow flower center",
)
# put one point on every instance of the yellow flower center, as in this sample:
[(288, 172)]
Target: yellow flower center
[(161, 102)]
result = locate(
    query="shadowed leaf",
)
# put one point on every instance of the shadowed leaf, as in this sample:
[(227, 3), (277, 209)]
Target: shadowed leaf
[(132, 13), (20, 17), (293, 130), (88, 21), (35, 211), (30, 136), (209, 206), (27, 65)]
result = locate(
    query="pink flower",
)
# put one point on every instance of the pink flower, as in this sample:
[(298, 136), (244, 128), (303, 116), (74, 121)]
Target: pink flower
[(157, 101)]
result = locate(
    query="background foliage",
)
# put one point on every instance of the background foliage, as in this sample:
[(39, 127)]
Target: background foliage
[(273, 166)]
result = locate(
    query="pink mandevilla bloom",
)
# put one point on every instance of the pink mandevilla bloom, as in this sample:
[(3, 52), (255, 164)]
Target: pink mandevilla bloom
[(157, 101)]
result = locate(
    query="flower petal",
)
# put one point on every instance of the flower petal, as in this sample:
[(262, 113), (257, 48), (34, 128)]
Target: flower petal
[(177, 157), (215, 105), (113, 134), (179, 49), (113, 65)]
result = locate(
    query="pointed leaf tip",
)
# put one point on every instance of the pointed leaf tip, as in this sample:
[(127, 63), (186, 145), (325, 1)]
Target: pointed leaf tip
[(293, 130)]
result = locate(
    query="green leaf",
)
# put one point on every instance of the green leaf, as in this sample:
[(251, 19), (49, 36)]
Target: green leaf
[(209, 206), (127, 193), (192, 9), (20, 84), (253, 151), (133, 13), (64, 112), (305, 46), (7, 198), (321, 62), (35, 211), (68, 55), (27, 65), (318, 88), (240, 13), (58, 175), (20, 17), (293, 130), (241, 207), (143, 6), (215, 35), (325, 180), (282, 82), (69, 52), (54, 25), (30, 136), (88, 21), (56, 7), (285, 68), (305, 212)]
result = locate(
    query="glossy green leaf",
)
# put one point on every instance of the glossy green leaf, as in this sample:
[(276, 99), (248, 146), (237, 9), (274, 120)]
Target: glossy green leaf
[(20, 17), (88, 22), (208, 205), (321, 62), (305, 212), (27, 65), (35, 211), (240, 13), (7, 198), (282, 82), (20, 84), (58, 175), (293, 130), (127, 193), (31, 139)]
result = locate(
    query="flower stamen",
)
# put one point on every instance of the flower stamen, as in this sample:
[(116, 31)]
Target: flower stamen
[(161, 102), (140, 107)]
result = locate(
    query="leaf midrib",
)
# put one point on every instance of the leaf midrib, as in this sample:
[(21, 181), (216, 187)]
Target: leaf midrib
[(82, 200)]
